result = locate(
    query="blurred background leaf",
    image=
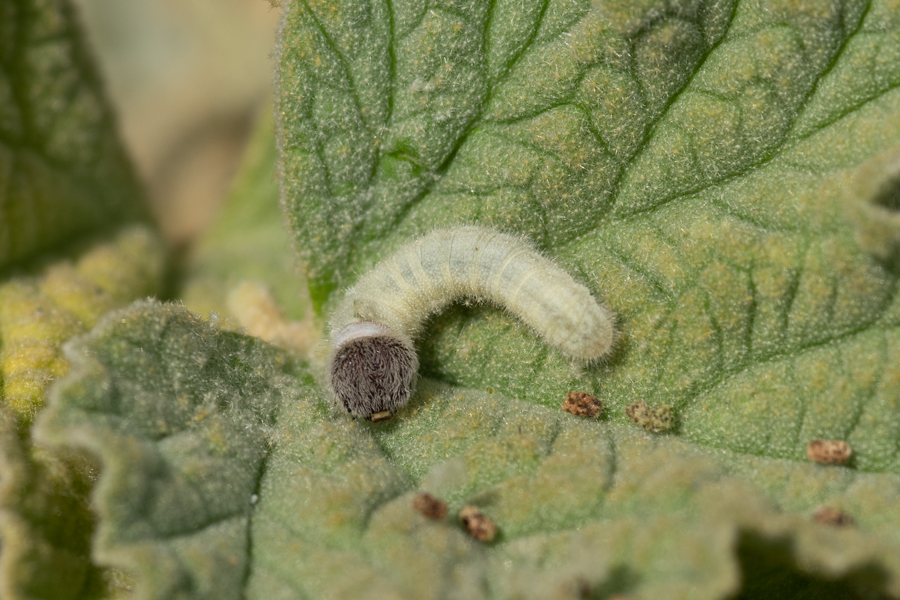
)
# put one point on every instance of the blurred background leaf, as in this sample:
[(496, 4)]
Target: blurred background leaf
[(63, 171), (243, 266)]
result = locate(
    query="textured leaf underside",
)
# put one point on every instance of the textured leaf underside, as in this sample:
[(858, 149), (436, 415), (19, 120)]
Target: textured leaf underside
[(179, 414)]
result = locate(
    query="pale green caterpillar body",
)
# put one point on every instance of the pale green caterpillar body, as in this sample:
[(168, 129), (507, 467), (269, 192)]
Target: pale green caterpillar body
[(373, 363)]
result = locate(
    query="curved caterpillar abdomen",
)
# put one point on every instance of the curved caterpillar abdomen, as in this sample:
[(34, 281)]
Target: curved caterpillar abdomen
[(373, 363)]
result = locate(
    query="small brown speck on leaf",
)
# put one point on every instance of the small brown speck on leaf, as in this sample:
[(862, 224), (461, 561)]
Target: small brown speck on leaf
[(430, 507), (383, 415), (828, 452), (582, 404), (479, 526), (651, 419), (832, 516)]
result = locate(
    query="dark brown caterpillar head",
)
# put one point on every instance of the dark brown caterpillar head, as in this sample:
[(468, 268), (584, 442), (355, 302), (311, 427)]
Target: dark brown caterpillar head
[(372, 370)]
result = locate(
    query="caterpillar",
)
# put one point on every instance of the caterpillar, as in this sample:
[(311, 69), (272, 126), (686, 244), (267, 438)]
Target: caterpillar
[(373, 363)]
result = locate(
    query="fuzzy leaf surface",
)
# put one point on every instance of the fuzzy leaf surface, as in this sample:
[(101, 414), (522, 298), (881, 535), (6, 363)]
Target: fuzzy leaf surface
[(227, 474), (691, 162), (178, 413), (70, 250), (725, 176)]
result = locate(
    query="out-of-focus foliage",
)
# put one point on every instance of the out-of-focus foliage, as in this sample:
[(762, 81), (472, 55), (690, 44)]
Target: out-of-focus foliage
[(65, 297), (46, 519), (248, 240), (180, 415), (71, 249), (63, 171)]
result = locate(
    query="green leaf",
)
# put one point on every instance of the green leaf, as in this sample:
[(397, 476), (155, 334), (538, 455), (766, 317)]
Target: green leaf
[(723, 175), (63, 170), (689, 163), (568, 119), (60, 297), (70, 250), (226, 475), (179, 415), (46, 520)]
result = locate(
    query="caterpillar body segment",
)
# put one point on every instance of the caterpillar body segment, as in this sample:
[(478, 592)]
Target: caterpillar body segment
[(388, 307)]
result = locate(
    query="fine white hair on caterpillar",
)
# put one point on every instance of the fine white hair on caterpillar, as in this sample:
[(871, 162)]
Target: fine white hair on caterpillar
[(373, 363)]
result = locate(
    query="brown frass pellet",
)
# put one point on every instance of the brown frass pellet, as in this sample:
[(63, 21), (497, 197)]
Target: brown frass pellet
[(479, 526), (582, 404), (828, 515), (430, 507), (828, 452)]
